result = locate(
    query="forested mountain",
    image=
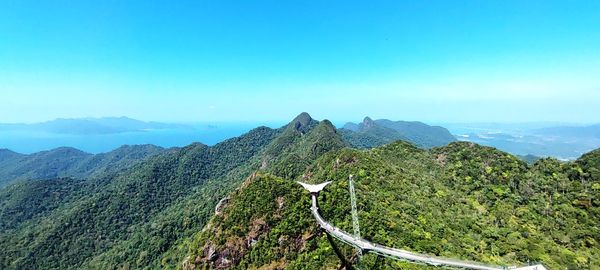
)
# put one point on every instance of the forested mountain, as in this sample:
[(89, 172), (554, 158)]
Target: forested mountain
[(117, 211), (459, 201), (70, 162), (529, 158), (372, 133), (121, 158), (236, 205), (300, 143), (138, 217), (6, 154), (45, 164), (28, 200)]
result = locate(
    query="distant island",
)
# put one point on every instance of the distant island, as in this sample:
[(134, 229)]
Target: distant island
[(562, 141), (91, 126), (373, 133)]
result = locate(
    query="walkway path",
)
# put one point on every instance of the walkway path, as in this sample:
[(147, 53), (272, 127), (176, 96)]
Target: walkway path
[(394, 253)]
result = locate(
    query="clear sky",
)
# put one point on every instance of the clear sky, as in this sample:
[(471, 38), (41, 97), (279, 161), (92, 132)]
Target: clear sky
[(434, 61)]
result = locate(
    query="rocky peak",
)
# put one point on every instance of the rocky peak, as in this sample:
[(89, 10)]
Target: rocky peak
[(367, 122), (328, 125), (303, 118), (303, 123)]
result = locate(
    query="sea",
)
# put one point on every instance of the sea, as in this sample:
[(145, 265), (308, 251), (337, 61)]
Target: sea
[(27, 142)]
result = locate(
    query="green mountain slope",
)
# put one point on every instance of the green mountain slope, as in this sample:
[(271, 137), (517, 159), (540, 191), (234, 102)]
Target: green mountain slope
[(419, 133), (460, 201), (121, 158), (530, 159), (300, 143), (45, 164), (139, 217), (114, 208), (70, 162), (302, 133), (31, 200), (369, 133), (6, 154), (590, 162)]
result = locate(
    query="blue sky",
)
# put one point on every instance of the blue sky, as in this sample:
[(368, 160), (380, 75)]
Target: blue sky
[(434, 61)]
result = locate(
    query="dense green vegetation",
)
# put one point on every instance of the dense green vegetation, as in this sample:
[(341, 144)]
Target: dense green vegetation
[(419, 133), (126, 212), (139, 217), (530, 159), (264, 224), (460, 201), (27, 200), (41, 165), (369, 133), (70, 162), (295, 149)]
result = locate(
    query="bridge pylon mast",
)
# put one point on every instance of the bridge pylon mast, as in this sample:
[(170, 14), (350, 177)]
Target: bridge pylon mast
[(355, 224)]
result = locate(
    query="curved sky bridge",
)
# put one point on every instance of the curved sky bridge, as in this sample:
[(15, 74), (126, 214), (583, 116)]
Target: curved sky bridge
[(394, 253)]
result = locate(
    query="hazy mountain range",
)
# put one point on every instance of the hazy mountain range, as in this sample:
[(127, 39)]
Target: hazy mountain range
[(87, 126), (372, 133), (563, 142), (461, 200), (100, 135), (70, 162), (592, 131)]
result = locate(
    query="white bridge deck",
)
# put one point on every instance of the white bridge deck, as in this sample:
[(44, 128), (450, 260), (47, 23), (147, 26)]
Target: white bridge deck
[(395, 253)]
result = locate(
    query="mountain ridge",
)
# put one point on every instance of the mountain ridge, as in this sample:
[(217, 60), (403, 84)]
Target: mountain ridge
[(372, 133), (164, 198), (460, 195), (91, 125), (70, 162), (482, 203)]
